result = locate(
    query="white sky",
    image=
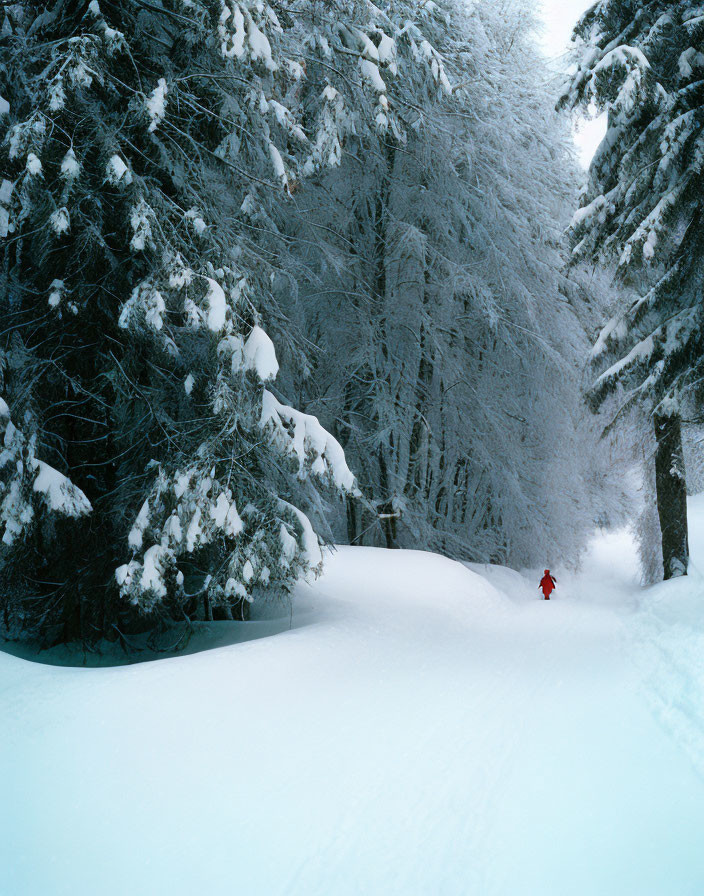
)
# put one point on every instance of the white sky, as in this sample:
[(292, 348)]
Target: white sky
[(560, 17)]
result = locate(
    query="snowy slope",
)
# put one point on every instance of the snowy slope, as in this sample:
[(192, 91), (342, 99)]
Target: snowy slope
[(418, 730), (668, 641)]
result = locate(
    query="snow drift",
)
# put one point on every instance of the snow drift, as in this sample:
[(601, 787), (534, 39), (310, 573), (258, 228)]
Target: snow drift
[(409, 728)]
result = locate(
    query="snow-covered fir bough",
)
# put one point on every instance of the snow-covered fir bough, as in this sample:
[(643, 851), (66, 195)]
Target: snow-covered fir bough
[(642, 211), (150, 469)]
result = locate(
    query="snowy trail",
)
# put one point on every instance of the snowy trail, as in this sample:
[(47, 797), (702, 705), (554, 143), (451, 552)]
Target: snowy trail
[(417, 731)]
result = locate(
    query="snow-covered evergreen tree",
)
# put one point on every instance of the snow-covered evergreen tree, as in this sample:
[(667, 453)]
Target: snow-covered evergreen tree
[(642, 210), (149, 462)]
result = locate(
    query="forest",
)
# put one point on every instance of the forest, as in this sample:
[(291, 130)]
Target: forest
[(276, 275), (328, 355)]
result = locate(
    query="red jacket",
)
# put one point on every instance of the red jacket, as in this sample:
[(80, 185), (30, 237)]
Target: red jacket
[(547, 583)]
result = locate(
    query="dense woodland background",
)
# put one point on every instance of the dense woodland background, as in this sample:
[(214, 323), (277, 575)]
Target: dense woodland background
[(242, 238)]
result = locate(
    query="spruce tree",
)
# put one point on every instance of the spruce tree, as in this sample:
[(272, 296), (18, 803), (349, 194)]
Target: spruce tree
[(642, 210), (150, 468)]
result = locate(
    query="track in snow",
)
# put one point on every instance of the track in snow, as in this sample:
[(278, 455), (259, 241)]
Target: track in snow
[(417, 731)]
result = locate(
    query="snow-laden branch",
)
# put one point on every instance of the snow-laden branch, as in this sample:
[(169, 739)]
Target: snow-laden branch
[(24, 479), (301, 436)]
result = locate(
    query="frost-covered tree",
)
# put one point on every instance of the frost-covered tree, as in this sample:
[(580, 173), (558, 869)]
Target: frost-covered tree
[(149, 465), (642, 209), (430, 279)]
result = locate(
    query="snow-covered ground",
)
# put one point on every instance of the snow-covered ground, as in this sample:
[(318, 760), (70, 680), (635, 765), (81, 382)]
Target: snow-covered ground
[(420, 728)]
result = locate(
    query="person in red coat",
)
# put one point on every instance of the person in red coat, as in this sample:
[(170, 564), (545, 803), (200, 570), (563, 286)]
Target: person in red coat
[(547, 583)]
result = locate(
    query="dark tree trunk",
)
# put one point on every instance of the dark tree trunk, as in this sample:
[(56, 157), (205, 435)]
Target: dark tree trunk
[(671, 495), (352, 527), (387, 514), (386, 511), (241, 610)]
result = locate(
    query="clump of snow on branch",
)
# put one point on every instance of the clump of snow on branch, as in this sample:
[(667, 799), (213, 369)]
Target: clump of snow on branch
[(217, 306), (156, 105), (60, 221), (241, 36), (117, 171), (370, 71), (58, 492), (302, 436), (34, 165), (334, 124), (259, 355), (70, 167), (196, 220), (141, 216), (24, 479), (278, 165), (6, 188)]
